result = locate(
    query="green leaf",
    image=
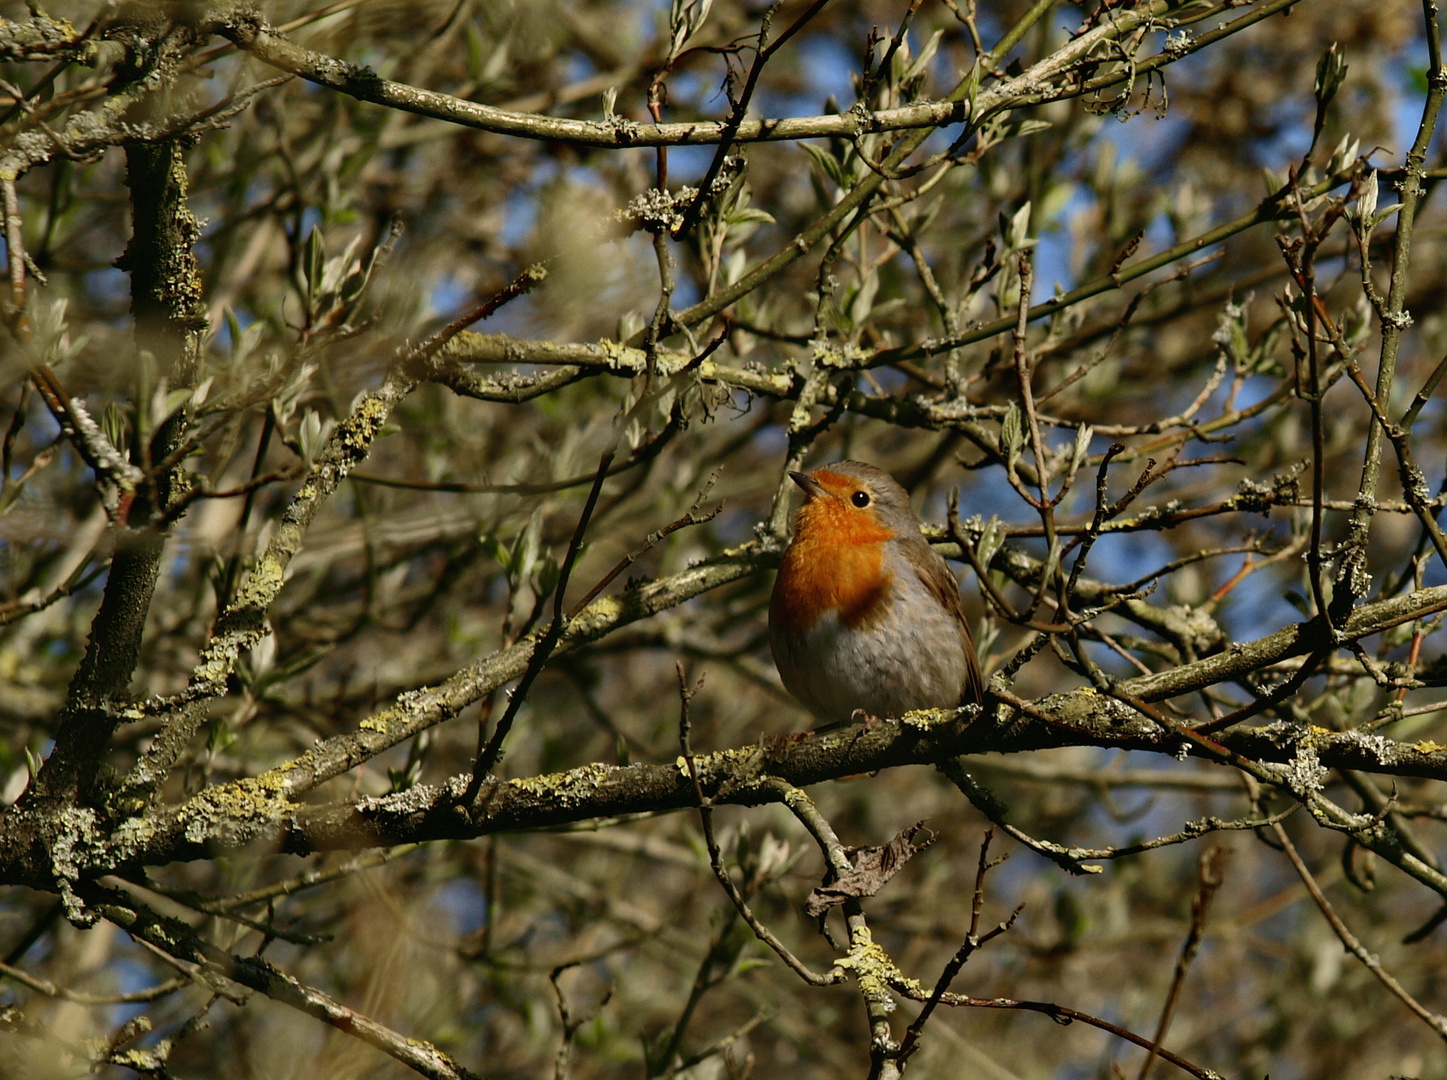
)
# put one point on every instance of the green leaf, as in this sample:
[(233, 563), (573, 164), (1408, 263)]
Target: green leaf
[(494, 548), (992, 539), (1012, 433), (1296, 600), (1017, 232), (314, 260), (629, 323), (525, 552), (925, 56), (114, 424), (548, 574), (1019, 128), (828, 164), (750, 215), (1331, 69), (1083, 435)]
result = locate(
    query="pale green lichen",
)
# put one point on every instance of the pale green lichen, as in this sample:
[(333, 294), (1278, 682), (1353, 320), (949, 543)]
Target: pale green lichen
[(265, 580), (239, 810), (599, 613), (732, 762), (845, 357), (132, 835), (619, 355), (777, 383)]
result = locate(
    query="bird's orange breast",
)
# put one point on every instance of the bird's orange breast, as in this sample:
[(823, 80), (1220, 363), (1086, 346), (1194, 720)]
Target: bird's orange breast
[(835, 563)]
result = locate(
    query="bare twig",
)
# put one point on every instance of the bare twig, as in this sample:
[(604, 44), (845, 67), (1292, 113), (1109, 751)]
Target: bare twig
[(1370, 961), (973, 941), (488, 755), (1211, 867), (715, 855)]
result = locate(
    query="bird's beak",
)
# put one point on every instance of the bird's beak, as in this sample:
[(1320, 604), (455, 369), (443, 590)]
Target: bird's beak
[(812, 487)]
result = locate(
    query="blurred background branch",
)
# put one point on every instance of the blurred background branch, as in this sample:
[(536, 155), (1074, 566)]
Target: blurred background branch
[(318, 320)]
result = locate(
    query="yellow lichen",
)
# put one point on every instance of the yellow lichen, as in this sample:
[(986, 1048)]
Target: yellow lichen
[(267, 576), (924, 719), (273, 780), (241, 804), (872, 967), (566, 787), (795, 798), (600, 612), (619, 355)]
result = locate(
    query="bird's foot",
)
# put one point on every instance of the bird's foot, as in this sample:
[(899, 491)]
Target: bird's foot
[(865, 717)]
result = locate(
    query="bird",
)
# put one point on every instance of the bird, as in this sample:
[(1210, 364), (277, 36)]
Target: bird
[(865, 617)]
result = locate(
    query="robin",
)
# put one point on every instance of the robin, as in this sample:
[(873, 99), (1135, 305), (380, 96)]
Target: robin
[(865, 615)]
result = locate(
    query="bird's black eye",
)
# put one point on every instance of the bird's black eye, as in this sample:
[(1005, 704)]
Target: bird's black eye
[(860, 499)]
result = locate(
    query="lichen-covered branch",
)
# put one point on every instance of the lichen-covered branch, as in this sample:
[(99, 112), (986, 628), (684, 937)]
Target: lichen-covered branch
[(365, 84), (168, 312), (177, 939), (243, 623)]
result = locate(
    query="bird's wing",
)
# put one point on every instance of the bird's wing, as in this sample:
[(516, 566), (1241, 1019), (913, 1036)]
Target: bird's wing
[(940, 581)]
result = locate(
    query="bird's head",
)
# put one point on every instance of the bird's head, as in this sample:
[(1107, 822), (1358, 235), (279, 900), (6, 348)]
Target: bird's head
[(850, 502)]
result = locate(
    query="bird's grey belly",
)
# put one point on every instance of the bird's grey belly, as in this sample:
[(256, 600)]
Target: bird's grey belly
[(887, 670)]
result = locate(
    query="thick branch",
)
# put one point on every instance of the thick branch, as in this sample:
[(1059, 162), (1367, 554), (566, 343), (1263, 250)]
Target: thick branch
[(169, 315)]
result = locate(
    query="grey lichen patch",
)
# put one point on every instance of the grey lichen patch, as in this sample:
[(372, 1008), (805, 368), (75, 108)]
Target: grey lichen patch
[(131, 837), (658, 211), (40, 36), (76, 842), (412, 800), (1089, 708), (1383, 751), (411, 702), (1254, 496), (624, 130), (1303, 775)]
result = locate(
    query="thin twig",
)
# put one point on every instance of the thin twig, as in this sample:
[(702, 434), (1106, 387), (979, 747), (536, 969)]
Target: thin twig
[(1370, 961), (715, 855), (973, 941), (1210, 867), (544, 648)]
